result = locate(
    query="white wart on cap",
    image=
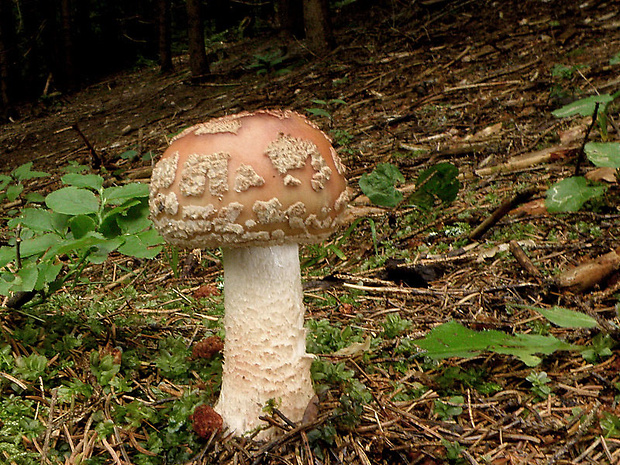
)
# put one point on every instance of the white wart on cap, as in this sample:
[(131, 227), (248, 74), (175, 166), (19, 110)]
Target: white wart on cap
[(262, 178)]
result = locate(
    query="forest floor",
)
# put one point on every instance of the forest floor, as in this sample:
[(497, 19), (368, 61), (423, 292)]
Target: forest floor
[(472, 83)]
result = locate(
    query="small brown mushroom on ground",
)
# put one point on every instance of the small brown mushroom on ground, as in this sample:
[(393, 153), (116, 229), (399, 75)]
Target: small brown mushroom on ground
[(256, 184), (206, 421), (207, 348)]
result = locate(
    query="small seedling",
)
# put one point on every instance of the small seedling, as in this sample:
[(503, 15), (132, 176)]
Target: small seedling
[(323, 106), (437, 183), (540, 384), (446, 411)]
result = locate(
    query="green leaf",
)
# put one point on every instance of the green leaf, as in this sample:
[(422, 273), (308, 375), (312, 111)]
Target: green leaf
[(615, 60), (454, 340), (13, 191), (34, 197), (39, 244), (73, 201), (319, 112), (7, 255), (120, 194), (48, 272), (570, 194), (134, 219), (439, 182), (26, 278), (89, 181), (80, 225), (23, 172), (604, 154), (378, 186), (583, 107), (37, 219), (566, 318), (129, 154), (142, 245)]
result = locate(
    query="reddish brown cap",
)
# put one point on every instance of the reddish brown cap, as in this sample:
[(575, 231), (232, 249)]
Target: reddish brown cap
[(262, 178)]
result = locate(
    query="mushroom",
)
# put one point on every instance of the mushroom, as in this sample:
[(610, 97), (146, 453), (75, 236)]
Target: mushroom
[(257, 185)]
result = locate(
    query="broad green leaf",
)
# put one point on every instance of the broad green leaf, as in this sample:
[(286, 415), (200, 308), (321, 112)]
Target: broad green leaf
[(48, 272), (80, 225), (99, 253), (26, 278), (89, 181), (566, 318), (34, 197), (135, 219), (90, 239), (117, 195), (39, 244), (615, 60), (454, 340), (439, 182), (143, 245), (570, 194), (4, 181), (37, 219), (604, 154), (7, 255), (24, 172), (583, 107), (13, 191), (378, 186), (73, 201)]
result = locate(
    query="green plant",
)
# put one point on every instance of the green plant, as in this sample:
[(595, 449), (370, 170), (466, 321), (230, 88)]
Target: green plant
[(325, 338), (323, 106), (602, 345), (270, 62), (454, 340), (437, 183), (330, 376), (83, 223), (394, 325), (11, 185), (571, 194), (454, 451), (448, 410), (540, 384), (562, 76)]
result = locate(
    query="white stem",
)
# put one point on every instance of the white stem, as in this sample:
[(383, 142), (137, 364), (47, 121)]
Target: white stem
[(265, 349)]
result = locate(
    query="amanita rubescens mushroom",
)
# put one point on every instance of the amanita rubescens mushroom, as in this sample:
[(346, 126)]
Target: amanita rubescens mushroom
[(256, 184)]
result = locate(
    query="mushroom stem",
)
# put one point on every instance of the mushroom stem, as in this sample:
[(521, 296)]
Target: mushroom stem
[(265, 351)]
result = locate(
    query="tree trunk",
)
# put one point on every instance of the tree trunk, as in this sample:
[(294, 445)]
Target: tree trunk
[(318, 27), (5, 57), (164, 35), (290, 17), (67, 48), (198, 63)]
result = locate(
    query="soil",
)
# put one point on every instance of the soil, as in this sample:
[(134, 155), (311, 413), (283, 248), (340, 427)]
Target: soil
[(467, 82)]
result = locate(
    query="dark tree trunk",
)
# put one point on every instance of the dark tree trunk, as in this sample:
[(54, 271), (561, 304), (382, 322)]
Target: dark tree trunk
[(318, 27), (198, 63), (290, 16), (67, 48), (164, 35), (6, 36)]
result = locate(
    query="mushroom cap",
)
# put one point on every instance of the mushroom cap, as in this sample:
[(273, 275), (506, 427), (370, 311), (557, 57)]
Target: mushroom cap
[(263, 178)]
